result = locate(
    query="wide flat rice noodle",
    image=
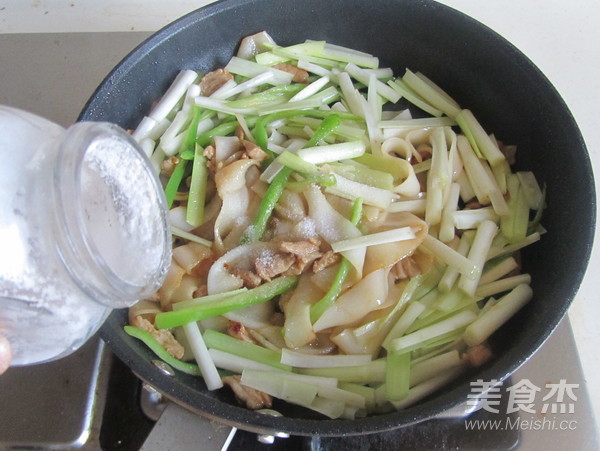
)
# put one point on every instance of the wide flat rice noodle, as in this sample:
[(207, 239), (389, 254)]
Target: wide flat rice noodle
[(332, 226), (232, 189), (297, 329), (220, 279), (385, 255), (369, 294)]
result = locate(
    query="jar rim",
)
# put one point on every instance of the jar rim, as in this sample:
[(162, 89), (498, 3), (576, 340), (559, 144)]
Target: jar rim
[(86, 256)]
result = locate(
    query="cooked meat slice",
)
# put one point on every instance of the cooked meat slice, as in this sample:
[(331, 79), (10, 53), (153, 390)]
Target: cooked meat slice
[(478, 355), (239, 132), (473, 205), (425, 151), (299, 265), (214, 80), (291, 259), (238, 330), (249, 278), (300, 75), (329, 258), (406, 268), (164, 337), (301, 248), (273, 264), (509, 151), (201, 291), (168, 166), (211, 161), (253, 399), (305, 252), (209, 152), (252, 151)]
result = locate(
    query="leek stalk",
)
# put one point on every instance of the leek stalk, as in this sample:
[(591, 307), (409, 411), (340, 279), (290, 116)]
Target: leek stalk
[(256, 230), (397, 376), (262, 293), (227, 343), (156, 347), (335, 288)]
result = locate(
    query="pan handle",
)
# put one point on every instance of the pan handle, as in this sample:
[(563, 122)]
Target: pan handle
[(172, 431)]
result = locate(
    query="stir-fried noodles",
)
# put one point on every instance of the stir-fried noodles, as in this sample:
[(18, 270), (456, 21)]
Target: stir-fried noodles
[(331, 249)]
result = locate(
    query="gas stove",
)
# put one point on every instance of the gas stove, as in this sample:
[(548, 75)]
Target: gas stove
[(91, 400)]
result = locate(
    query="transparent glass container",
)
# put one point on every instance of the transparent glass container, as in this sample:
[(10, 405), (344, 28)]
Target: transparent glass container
[(83, 230)]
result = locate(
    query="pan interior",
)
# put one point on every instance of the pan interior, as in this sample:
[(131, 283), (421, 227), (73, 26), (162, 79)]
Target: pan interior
[(477, 67)]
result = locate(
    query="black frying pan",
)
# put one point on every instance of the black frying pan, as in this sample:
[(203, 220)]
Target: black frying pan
[(477, 67)]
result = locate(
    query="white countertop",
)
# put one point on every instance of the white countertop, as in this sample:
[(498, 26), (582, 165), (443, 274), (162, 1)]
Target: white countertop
[(561, 38)]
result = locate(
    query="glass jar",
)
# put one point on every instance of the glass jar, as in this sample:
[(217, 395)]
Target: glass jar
[(83, 230)]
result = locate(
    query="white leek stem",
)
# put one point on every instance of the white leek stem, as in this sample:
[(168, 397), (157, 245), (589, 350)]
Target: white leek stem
[(332, 152), (374, 239), (373, 130), (363, 75), (203, 358), (313, 68), (500, 270), (148, 146), (220, 106), (222, 91), (416, 206), (300, 360), (446, 233), (251, 69), (438, 179), (466, 190), (502, 285), (449, 256), (342, 54), (176, 91), (478, 255), (188, 102), (402, 88), (481, 139), (530, 239), (310, 89), (484, 326), (337, 394), (277, 385), (373, 98), (424, 389), (144, 128), (470, 219), (454, 323), (370, 195), (350, 94), (175, 128), (433, 366), (412, 312), (417, 123), (237, 364), (531, 189), (254, 82), (190, 236), (432, 93)]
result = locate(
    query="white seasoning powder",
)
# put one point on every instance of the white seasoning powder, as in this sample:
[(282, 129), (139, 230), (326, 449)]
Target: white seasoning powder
[(119, 211), (266, 257), (44, 313), (40, 310), (306, 228)]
